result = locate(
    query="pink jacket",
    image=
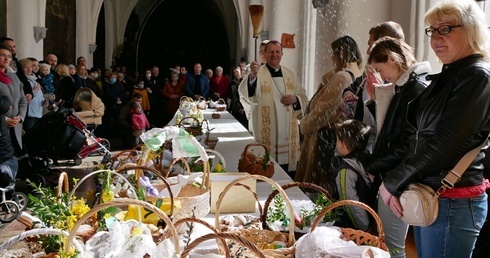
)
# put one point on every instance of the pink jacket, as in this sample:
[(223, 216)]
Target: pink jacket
[(140, 122)]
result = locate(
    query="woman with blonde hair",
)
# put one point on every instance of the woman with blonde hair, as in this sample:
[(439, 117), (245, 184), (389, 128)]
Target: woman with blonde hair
[(449, 119), (68, 87)]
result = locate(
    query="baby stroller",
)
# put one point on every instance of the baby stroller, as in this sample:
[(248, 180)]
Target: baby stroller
[(89, 110), (51, 139)]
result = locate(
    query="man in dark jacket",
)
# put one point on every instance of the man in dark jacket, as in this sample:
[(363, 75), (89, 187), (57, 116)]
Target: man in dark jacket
[(197, 84)]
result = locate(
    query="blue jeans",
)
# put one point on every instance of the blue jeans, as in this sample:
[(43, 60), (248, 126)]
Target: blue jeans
[(454, 232)]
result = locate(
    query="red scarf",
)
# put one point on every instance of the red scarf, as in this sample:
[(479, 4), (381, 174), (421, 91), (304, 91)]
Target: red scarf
[(4, 78)]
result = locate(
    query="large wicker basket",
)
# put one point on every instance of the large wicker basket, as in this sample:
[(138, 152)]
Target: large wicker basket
[(260, 237), (357, 236), (194, 200), (125, 202), (250, 247), (24, 252), (251, 163), (285, 187)]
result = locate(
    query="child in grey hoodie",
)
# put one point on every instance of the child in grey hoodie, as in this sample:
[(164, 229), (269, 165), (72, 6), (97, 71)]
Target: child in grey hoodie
[(352, 181)]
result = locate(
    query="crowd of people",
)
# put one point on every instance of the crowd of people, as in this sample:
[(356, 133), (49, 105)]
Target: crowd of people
[(366, 134), (47, 85)]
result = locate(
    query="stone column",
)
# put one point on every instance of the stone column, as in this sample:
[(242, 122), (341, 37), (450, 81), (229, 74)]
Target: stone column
[(287, 17), (22, 16)]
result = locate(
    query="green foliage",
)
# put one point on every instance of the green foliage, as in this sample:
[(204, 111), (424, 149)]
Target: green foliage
[(266, 160), (277, 212), (320, 203)]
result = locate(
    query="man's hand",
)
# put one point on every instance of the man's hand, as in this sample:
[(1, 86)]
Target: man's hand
[(288, 99), (13, 121), (254, 69), (28, 98)]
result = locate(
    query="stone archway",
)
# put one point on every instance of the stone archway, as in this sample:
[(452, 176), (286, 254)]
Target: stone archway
[(179, 32)]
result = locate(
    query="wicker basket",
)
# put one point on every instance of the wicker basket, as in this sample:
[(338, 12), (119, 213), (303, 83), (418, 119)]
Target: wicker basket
[(193, 129), (194, 200), (252, 164), (210, 142), (125, 202), (250, 247), (357, 236), (34, 233), (185, 105), (285, 187), (201, 103), (261, 236), (219, 236), (215, 115), (163, 183), (220, 105)]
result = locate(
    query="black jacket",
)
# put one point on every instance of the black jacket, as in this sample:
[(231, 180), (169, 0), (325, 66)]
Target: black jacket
[(7, 150), (450, 118), (386, 156)]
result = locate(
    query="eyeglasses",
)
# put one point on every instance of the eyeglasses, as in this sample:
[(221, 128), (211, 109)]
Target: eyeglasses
[(442, 30), (6, 56)]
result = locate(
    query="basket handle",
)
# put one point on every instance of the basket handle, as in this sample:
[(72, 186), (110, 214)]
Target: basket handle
[(291, 238), (63, 184), (159, 175), (221, 158), (117, 155), (254, 144), (38, 231), (184, 160), (221, 242), (188, 117), (184, 99), (125, 202), (98, 172), (221, 235), (287, 186), (381, 233), (221, 100)]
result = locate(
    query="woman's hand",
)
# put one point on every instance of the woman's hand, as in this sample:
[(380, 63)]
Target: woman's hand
[(349, 96), (392, 201)]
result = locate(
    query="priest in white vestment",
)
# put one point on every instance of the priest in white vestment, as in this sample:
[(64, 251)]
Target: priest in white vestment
[(274, 102)]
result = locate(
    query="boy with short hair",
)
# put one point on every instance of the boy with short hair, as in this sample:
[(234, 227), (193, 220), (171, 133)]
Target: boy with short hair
[(352, 181)]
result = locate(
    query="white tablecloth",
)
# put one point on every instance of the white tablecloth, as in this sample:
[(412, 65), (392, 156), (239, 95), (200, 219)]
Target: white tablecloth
[(233, 138)]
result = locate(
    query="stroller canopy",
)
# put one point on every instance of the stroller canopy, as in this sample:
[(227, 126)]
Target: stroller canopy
[(88, 107)]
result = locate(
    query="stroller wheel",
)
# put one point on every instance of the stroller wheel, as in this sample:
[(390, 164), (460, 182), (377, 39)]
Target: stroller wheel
[(106, 144), (22, 200), (9, 211), (38, 179), (77, 160)]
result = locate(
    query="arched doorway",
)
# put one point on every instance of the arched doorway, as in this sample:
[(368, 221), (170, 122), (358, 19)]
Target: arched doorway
[(178, 32)]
